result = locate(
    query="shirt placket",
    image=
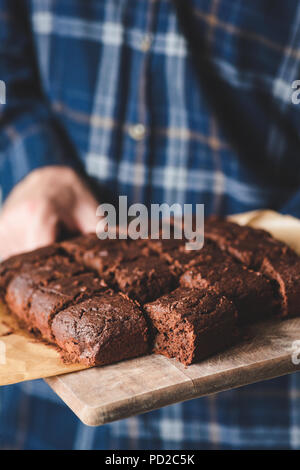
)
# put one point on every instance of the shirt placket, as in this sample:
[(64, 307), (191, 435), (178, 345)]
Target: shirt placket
[(140, 130)]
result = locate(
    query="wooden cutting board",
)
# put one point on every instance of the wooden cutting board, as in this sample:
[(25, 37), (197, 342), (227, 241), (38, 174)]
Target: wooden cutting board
[(100, 395), (104, 394)]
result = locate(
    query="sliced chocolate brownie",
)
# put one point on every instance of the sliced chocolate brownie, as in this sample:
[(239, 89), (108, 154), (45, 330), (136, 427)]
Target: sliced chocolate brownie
[(250, 291), (102, 330), (144, 279), (76, 247), (174, 253), (15, 264), (22, 285), (46, 302), (247, 244), (258, 250), (103, 255), (285, 271), (192, 324)]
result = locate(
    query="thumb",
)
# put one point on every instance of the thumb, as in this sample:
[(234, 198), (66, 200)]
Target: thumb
[(85, 216), (41, 232)]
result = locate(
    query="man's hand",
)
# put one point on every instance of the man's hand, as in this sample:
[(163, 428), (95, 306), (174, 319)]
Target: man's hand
[(46, 200)]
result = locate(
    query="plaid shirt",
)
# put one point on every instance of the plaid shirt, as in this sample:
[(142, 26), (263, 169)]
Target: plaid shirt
[(164, 101)]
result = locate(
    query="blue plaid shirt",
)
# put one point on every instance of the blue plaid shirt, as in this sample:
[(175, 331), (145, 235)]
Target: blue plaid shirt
[(164, 101)]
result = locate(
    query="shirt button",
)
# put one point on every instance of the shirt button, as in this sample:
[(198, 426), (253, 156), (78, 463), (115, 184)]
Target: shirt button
[(146, 43), (137, 131)]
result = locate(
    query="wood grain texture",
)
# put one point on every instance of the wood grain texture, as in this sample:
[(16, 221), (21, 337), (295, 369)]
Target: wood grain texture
[(101, 395)]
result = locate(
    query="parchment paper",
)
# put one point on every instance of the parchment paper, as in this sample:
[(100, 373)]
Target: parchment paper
[(22, 357)]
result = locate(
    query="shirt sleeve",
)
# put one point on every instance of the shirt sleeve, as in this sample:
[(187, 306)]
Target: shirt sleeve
[(30, 134)]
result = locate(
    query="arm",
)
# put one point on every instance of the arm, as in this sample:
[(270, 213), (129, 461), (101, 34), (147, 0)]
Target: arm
[(30, 135)]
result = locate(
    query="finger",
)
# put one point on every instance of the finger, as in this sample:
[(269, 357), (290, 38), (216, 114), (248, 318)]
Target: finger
[(85, 216), (9, 245), (42, 231)]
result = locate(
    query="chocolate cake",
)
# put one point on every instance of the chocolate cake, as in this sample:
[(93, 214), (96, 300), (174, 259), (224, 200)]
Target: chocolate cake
[(103, 255), (244, 243), (250, 291), (144, 279), (174, 252), (258, 250), (286, 274), (15, 264), (192, 324), (29, 278), (83, 294), (47, 301), (104, 329)]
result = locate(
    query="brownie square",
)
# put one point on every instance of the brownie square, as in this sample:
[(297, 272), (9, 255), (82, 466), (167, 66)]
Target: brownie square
[(102, 330), (224, 230), (251, 292), (258, 250), (18, 295), (46, 302), (103, 255), (144, 279), (180, 259), (79, 246), (247, 244), (20, 289), (285, 272), (192, 324), (15, 264), (173, 251)]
